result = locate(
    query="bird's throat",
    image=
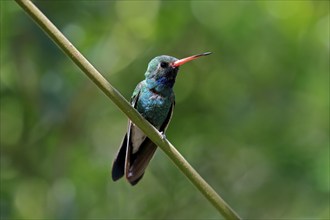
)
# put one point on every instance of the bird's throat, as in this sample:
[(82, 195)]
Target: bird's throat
[(162, 87)]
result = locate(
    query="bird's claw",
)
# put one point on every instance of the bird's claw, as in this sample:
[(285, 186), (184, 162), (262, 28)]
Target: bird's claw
[(163, 135)]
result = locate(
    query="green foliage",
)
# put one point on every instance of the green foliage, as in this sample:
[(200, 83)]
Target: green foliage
[(253, 118)]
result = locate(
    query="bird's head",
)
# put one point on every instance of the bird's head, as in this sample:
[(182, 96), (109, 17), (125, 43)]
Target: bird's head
[(162, 70)]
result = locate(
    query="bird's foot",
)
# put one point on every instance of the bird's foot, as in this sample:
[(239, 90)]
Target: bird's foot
[(163, 135)]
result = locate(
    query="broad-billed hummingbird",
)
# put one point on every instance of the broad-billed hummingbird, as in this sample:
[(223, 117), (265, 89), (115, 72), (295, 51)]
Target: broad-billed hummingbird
[(154, 99)]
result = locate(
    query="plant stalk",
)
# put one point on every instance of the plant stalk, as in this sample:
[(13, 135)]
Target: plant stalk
[(62, 42)]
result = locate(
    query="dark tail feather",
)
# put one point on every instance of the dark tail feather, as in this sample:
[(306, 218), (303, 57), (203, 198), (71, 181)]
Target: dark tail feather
[(118, 167), (133, 182), (140, 160)]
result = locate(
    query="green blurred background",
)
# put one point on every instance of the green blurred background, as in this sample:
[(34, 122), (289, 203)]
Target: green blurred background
[(252, 118)]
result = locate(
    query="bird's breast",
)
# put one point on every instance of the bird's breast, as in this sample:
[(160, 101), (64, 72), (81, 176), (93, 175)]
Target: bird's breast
[(154, 107)]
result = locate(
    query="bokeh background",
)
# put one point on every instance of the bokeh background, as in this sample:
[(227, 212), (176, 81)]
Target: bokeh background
[(252, 118)]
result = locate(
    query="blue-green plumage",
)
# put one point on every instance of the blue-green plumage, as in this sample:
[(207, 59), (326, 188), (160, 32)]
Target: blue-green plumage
[(154, 99), (153, 106)]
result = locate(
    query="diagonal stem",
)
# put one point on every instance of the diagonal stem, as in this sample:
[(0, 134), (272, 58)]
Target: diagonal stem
[(62, 42)]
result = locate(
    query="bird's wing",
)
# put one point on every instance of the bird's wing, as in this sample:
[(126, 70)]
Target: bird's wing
[(139, 161), (168, 118), (128, 162), (119, 164)]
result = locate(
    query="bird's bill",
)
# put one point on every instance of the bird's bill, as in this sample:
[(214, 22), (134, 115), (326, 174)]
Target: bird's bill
[(187, 59)]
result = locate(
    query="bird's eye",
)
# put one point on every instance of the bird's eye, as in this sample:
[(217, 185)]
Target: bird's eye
[(163, 64)]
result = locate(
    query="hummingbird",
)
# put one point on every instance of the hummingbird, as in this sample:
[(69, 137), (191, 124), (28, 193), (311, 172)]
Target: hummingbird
[(154, 99)]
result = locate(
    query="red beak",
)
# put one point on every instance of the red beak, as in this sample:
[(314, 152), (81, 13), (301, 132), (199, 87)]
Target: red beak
[(187, 59)]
